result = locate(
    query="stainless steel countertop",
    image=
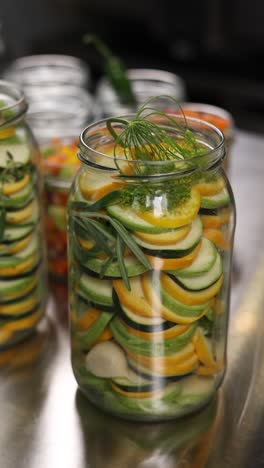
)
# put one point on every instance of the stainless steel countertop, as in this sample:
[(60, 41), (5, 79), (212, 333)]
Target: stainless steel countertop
[(46, 423)]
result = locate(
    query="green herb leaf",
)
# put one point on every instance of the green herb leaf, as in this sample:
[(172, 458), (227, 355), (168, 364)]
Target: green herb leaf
[(120, 247), (106, 264), (130, 242), (111, 197), (96, 234), (114, 69)]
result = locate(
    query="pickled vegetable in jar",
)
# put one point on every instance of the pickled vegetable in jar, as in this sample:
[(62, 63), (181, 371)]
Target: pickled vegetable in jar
[(151, 220), (60, 164), (57, 118), (217, 116), (22, 279)]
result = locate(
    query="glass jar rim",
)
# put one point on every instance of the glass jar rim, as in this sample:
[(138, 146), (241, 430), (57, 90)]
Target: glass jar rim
[(28, 63), (14, 91), (85, 149), (210, 109), (16, 102)]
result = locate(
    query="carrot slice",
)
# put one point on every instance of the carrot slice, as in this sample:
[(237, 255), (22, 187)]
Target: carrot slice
[(190, 297), (217, 237), (184, 214), (215, 221), (106, 335), (159, 263), (87, 320)]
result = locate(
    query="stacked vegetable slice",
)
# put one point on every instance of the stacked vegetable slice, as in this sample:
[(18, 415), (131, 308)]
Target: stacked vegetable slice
[(20, 254), (161, 327)]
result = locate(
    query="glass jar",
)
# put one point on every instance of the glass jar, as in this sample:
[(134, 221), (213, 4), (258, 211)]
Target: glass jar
[(21, 273), (57, 118), (146, 83), (150, 250), (217, 116), (37, 73)]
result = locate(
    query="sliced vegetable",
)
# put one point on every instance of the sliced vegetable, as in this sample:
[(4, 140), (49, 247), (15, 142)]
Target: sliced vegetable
[(21, 154), (96, 290), (133, 267), (165, 238), (181, 216), (204, 280), (107, 360), (180, 248), (190, 297), (216, 201), (159, 263), (202, 263)]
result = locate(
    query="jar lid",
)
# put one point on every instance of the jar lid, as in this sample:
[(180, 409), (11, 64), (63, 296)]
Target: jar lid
[(58, 112), (48, 70), (145, 83)]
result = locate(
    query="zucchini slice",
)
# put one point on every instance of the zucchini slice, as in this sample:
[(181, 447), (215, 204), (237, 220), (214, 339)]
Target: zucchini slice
[(206, 279), (201, 264), (177, 249), (129, 218), (14, 289), (14, 234), (21, 154), (19, 199), (22, 307), (219, 200), (133, 267), (99, 291)]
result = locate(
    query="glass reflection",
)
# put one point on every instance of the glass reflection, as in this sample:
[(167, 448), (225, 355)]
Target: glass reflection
[(115, 443)]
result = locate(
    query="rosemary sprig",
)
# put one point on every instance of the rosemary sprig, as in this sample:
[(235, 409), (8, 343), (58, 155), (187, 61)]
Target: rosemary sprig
[(120, 247), (112, 246)]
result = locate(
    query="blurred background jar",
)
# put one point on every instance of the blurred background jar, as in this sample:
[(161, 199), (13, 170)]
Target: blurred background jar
[(57, 117), (38, 73), (217, 116), (22, 279), (145, 84)]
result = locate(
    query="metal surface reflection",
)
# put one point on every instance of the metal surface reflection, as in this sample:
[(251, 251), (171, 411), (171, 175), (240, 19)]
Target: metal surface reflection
[(47, 423), (111, 442)]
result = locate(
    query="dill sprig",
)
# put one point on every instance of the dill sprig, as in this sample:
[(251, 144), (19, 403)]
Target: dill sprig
[(147, 136)]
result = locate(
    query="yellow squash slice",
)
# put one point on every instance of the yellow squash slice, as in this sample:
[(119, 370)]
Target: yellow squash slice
[(190, 297), (182, 215), (159, 263), (165, 238)]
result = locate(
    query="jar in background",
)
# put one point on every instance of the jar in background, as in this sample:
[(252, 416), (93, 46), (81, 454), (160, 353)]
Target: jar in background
[(37, 73), (57, 118), (217, 116), (22, 277), (146, 83), (150, 250)]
